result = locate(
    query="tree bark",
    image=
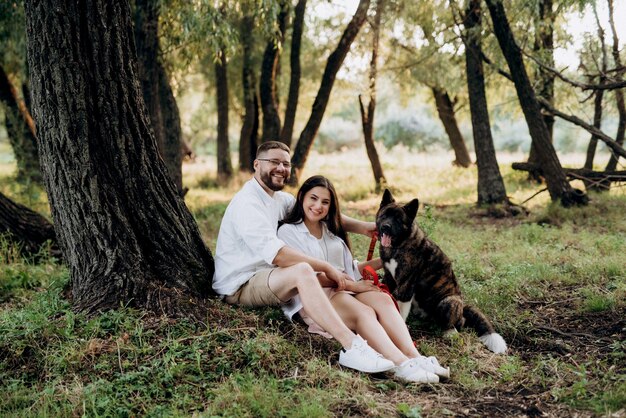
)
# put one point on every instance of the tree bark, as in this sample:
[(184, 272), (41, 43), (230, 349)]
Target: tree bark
[(248, 139), (544, 47), (157, 93), (267, 83), (125, 232), (26, 228), (367, 116), (619, 94), (335, 60), (445, 110), (224, 165), (286, 133), (556, 181), (490, 184), (21, 131)]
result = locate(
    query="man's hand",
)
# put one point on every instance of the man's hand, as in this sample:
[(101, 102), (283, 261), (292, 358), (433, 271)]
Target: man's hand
[(358, 227), (369, 229)]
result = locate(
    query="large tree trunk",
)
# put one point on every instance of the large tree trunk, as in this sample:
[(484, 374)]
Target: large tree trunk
[(248, 139), (445, 110), (558, 186), (125, 232), (164, 119), (305, 142), (490, 184), (367, 116), (224, 165), (21, 132), (619, 94), (286, 133), (267, 83), (28, 229), (544, 48)]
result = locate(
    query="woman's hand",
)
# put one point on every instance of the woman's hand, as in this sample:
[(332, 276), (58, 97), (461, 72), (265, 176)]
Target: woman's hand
[(362, 286), (339, 278)]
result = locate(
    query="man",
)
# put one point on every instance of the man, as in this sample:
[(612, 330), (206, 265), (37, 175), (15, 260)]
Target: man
[(255, 268)]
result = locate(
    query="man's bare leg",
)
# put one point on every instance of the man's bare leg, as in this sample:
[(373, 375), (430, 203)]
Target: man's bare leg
[(301, 280)]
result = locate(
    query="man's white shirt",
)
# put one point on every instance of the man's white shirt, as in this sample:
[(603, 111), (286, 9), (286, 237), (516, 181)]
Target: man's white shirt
[(247, 240)]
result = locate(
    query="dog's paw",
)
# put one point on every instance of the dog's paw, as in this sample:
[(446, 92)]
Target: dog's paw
[(494, 342), (450, 333)]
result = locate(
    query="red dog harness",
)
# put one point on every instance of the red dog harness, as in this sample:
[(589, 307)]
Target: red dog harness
[(370, 274)]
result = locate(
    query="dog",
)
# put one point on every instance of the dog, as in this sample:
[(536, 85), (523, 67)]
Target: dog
[(420, 275)]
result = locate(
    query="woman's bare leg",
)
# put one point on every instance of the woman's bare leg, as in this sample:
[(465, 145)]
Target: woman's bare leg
[(361, 319), (391, 320)]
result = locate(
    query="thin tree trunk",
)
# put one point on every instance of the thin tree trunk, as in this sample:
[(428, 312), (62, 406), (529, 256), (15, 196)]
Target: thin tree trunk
[(157, 94), (335, 60), (26, 228), (172, 132), (21, 132), (597, 123), (367, 116), (544, 47), (267, 84), (445, 110), (558, 186), (224, 165), (126, 234), (490, 184), (619, 94), (599, 95), (147, 43), (286, 133), (249, 128)]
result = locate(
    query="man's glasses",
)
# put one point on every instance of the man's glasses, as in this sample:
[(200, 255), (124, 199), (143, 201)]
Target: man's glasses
[(276, 163)]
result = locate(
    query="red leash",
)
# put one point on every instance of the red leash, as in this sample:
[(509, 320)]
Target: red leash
[(370, 274)]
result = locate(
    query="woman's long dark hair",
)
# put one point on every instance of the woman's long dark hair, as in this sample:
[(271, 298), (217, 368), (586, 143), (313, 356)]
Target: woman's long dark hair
[(333, 218)]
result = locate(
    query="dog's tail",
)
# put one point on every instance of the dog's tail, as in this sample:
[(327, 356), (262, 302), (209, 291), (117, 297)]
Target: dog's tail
[(474, 318)]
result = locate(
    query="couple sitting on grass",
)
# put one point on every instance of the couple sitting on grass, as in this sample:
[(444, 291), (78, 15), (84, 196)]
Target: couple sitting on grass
[(305, 266)]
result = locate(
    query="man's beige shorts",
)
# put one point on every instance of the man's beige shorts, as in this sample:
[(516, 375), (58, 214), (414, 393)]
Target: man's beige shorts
[(256, 292)]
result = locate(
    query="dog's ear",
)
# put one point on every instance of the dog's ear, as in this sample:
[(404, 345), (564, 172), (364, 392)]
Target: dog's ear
[(387, 198), (411, 209)]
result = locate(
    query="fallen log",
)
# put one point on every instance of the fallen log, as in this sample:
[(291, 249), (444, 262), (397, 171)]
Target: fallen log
[(601, 179), (28, 229)]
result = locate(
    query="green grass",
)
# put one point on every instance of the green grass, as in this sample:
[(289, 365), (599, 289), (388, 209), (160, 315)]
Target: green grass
[(554, 284)]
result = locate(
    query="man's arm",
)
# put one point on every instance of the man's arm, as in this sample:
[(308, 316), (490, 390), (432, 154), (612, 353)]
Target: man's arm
[(288, 256), (358, 227)]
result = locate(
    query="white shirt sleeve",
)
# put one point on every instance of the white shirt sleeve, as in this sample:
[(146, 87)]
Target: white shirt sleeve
[(258, 233)]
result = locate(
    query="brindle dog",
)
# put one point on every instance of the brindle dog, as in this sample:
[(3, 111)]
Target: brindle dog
[(418, 273)]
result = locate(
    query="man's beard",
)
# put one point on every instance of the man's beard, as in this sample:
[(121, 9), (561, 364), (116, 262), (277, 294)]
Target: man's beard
[(266, 178)]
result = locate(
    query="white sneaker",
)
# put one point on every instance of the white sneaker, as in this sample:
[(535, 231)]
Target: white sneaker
[(363, 358), (430, 364), (409, 371)]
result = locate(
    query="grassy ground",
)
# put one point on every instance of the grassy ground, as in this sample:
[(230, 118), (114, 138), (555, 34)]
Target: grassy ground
[(554, 284)]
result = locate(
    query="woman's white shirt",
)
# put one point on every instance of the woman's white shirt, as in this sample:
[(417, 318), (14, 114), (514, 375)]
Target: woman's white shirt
[(298, 237)]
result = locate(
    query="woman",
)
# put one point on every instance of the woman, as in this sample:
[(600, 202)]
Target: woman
[(313, 226)]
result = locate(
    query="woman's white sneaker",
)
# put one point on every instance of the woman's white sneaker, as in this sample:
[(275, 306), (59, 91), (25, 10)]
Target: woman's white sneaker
[(431, 364), (409, 371), (364, 358)]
